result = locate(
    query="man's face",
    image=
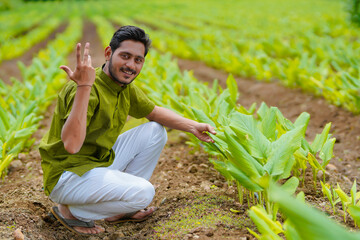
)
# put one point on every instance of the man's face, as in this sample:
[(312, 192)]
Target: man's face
[(127, 61)]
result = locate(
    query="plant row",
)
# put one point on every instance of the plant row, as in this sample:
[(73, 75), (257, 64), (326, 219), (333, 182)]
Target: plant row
[(24, 101), (312, 48)]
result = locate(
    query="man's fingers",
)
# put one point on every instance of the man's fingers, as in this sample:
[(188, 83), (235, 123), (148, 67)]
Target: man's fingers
[(67, 70), (86, 53), (206, 138), (89, 60), (78, 54), (211, 129)]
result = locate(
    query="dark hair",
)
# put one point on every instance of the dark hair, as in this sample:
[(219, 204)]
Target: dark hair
[(130, 33)]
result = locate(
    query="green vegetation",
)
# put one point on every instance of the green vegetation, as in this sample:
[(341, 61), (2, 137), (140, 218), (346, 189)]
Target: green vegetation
[(303, 44)]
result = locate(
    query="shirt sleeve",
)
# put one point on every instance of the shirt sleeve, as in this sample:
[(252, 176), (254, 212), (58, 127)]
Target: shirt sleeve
[(140, 104), (68, 96)]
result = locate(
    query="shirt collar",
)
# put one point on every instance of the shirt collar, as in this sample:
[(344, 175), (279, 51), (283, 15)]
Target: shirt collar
[(108, 81)]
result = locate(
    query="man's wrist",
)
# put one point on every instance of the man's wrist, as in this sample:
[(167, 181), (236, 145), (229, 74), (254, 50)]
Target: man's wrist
[(85, 85)]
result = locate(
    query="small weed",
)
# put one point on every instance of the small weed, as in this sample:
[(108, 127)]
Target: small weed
[(203, 212), (12, 227)]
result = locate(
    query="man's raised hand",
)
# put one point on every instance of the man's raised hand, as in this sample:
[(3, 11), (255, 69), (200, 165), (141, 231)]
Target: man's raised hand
[(84, 73)]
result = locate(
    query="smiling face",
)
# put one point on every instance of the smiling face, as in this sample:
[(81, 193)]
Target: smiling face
[(125, 63)]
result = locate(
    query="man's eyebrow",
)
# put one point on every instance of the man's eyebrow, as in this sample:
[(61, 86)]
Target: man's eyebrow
[(128, 53)]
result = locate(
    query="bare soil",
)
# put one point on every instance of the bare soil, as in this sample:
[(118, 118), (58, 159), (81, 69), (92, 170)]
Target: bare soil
[(184, 178)]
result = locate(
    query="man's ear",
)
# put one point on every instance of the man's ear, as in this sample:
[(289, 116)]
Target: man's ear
[(108, 53)]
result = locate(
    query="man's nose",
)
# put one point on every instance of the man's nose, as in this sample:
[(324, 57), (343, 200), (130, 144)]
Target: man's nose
[(130, 64)]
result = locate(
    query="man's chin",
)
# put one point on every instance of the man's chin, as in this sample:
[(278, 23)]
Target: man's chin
[(125, 81)]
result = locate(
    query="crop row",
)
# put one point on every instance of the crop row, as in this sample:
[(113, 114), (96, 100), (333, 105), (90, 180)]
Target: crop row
[(311, 46), (24, 101), (315, 51)]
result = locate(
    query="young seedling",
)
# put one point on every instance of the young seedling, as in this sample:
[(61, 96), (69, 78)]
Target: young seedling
[(331, 195)]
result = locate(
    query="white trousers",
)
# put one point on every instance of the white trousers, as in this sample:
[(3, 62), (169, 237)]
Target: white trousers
[(120, 188)]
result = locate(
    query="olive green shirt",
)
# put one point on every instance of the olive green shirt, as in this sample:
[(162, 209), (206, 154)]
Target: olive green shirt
[(108, 109)]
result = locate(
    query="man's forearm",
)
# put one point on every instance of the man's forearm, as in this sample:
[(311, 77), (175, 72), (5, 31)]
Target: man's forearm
[(74, 130), (172, 120)]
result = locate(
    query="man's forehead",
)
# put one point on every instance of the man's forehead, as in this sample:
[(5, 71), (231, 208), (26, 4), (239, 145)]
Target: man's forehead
[(132, 47)]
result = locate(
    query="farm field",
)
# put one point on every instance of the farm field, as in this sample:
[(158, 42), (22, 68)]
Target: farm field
[(195, 201)]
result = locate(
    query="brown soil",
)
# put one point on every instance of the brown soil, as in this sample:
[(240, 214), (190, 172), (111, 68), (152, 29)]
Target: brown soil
[(184, 175)]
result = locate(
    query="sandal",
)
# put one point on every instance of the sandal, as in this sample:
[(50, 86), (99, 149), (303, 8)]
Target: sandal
[(128, 218), (71, 223)]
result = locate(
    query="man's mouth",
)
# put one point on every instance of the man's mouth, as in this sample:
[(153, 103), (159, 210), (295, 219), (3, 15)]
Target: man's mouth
[(128, 71)]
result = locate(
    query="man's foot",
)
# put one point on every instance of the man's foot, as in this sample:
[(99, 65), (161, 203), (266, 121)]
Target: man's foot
[(138, 216), (66, 214)]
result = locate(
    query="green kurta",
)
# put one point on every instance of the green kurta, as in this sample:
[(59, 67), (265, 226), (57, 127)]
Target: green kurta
[(109, 106)]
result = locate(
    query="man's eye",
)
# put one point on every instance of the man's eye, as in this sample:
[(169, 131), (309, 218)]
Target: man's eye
[(138, 60), (125, 56)]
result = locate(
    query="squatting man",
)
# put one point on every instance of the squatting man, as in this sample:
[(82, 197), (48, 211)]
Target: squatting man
[(91, 170)]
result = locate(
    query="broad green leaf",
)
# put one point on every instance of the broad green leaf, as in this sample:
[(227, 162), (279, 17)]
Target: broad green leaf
[(314, 162), (301, 196), (5, 118), (301, 159), (264, 222), (305, 146), (287, 169), (290, 232), (242, 178), (263, 110), (342, 195), (310, 223), (202, 117), (222, 168), (249, 135), (241, 158), (187, 112), (326, 191), (233, 88), (326, 152), (215, 85), (198, 101), (219, 103), (26, 132), (303, 119), (320, 139), (354, 211), (282, 150), (285, 123), (17, 148), (5, 162), (216, 148), (290, 185), (175, 105), (268, 124)]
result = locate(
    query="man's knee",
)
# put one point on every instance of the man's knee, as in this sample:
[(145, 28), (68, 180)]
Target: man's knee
[(159, 132), (144, 196)]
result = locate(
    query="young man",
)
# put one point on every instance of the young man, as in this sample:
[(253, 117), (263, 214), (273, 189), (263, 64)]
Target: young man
[(90, 170)]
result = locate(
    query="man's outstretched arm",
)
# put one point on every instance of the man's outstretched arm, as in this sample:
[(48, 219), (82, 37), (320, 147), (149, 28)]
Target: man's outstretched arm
[(170, 119)]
